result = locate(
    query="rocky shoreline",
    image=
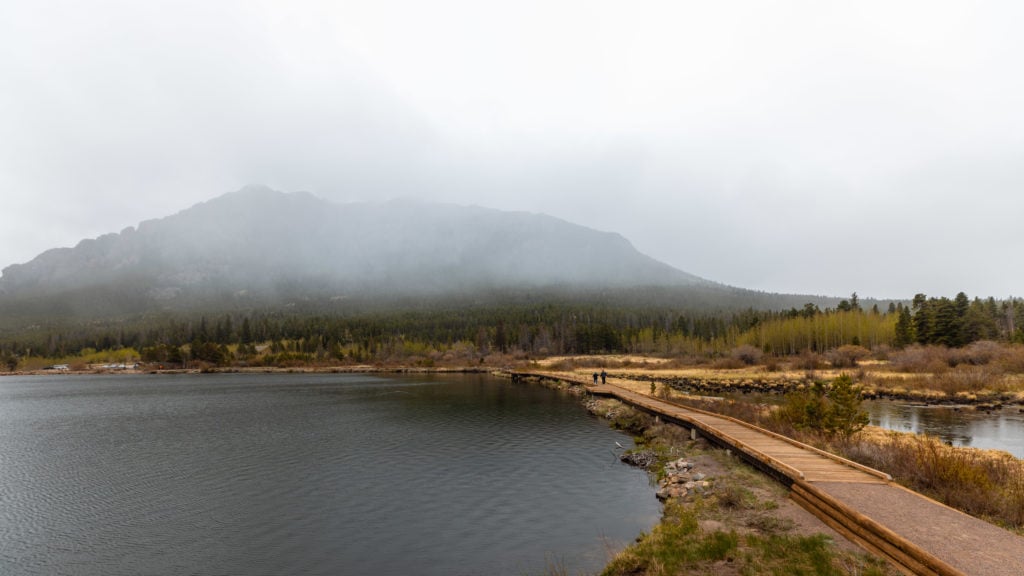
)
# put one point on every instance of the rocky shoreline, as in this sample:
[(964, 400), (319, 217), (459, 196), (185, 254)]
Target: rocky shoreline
[(679, 479), (780, 386)]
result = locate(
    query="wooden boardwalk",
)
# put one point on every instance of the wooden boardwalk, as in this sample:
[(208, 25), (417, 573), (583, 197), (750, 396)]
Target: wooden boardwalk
[(917, 534)]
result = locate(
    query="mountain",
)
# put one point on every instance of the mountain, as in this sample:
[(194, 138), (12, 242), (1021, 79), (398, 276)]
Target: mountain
[(260, 243)]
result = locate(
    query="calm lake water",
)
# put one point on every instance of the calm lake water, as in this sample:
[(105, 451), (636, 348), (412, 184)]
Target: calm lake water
[(307, 474), (1000, 429)]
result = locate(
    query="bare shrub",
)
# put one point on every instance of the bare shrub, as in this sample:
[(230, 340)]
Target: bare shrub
[(747, 354), (967, 379), (729, 363), (684, 362), (980, 352), (1012, 359), (922, 359), (564, 365), (847, 356), (809, 360), (881, 352)]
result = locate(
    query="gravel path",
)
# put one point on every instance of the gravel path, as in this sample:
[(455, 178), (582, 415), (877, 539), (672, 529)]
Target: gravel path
[(968, 544)]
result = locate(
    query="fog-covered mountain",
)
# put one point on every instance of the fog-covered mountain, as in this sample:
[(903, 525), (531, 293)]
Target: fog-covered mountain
[(259, 241)]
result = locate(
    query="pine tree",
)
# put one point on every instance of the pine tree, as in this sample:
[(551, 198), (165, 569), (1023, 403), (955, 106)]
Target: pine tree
[(904, 328), (846, 416)]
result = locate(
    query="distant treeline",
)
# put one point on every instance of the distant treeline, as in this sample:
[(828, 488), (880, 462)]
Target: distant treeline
[(560, 327)]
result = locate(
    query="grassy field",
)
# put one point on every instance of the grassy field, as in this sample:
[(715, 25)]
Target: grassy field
[(930, 379)]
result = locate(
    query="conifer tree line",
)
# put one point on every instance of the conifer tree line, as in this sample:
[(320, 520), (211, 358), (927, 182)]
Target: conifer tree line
[(556, 328)]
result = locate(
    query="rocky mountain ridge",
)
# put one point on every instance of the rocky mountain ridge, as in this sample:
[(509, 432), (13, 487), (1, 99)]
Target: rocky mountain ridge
[(259, 240)]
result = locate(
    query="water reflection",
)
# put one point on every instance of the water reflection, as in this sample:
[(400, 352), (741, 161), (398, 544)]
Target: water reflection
[(265, 474), (1001, 429)]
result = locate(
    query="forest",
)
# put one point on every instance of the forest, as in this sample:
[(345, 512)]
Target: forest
[(456, 332)]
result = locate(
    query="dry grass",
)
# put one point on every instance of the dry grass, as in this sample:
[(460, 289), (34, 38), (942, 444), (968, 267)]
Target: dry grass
[(1000, 358), (600, 361), (984, 483), (978, 373), (988, 484)]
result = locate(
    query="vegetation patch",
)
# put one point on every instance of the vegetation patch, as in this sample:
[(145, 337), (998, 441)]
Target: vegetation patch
[(988, 484), (737, 522)]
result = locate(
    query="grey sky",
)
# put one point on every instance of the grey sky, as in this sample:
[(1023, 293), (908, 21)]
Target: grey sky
[(814, 147)]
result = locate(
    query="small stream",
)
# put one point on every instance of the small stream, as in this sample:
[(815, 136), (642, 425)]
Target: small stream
[(1001, 429)]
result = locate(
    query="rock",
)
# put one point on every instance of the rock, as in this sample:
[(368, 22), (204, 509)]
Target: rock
[(643, 459), (698, 476), (709, 526), (678, 465), (672, 491)]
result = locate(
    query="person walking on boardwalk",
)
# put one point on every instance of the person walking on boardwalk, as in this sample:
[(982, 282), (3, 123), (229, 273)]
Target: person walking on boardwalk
[(604, 376), (595, 378)]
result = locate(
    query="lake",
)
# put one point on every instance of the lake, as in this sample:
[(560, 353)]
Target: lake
[(226, 474)]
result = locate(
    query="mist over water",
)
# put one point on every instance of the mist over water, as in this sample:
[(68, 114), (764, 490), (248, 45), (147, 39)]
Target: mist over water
[(312, 474)]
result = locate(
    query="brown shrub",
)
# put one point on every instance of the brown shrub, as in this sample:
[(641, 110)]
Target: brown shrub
[(966, 379), (747, 354), (809, 361), (1012, 359), (847, 356), (685, 361), (729, 363), (564, 365), (978, 353), (881, 352), (922, 359)]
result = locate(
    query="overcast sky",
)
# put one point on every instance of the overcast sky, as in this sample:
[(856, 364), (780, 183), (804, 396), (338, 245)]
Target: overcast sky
[(812, 147)]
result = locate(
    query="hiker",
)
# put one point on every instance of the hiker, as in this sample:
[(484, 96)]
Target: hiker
[(604, 376), (595, 378)]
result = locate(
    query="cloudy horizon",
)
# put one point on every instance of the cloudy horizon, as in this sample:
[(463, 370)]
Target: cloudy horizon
[(793, 147)]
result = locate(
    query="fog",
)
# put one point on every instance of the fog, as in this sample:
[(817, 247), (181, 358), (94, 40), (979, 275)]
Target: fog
[(809, 147)]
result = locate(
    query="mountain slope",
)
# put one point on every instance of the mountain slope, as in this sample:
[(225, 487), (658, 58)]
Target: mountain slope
[(259, 241)]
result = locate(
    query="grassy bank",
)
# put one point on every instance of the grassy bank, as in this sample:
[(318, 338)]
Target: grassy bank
[(742, 523)]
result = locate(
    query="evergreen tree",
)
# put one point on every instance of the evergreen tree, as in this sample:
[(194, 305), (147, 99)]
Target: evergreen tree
[(845, 414), (924, 319), (905, 334)]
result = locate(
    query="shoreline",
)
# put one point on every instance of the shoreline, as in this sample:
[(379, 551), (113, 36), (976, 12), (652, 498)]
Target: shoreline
[(357, 369), (711, 384), (719, 492)]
